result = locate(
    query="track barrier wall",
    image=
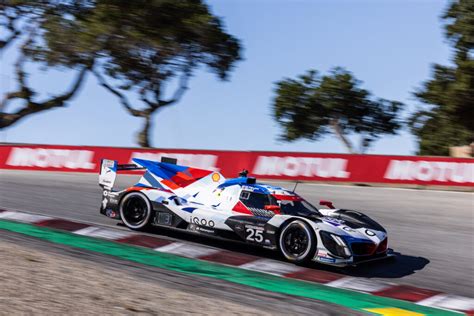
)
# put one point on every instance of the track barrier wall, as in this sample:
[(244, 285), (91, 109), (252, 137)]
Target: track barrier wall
[(404, 170)]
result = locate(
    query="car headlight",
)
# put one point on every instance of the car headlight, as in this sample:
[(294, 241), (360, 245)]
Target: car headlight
[(335, 244)]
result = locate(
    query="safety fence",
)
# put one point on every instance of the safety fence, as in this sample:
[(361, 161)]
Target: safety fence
[(414, 170)]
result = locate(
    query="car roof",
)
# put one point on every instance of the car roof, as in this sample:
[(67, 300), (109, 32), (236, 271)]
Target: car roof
[(255, 187)]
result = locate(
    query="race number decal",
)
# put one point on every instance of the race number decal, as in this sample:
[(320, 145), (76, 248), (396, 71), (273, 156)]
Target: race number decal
[(254, 234)]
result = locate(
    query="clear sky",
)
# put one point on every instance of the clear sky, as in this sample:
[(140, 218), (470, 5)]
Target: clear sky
[(388, 44)]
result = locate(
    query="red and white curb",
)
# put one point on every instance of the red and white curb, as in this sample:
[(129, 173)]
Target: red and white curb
[(425, 297)]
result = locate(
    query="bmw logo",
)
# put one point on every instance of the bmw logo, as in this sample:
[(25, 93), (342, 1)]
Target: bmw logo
[(369, 233)]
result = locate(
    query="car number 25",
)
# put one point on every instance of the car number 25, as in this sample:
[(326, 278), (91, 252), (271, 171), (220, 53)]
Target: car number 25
[(255, 235)]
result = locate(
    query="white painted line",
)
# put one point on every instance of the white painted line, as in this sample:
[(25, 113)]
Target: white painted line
[(447, 301), (187, 250), (359, 284), (23, 217), (271, 266), (102, 233)]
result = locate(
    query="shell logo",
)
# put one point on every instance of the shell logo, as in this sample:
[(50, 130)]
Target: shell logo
[(216, 177)]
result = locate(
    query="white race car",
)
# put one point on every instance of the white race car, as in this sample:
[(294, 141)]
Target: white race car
[(240, 209)]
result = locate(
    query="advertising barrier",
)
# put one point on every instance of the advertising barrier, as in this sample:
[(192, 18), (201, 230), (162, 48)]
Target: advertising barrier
[(415, 170)]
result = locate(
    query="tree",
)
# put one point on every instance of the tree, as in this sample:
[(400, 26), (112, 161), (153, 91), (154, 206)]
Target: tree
[(313, 105), (22, 21), (447, 118), (136, 47)]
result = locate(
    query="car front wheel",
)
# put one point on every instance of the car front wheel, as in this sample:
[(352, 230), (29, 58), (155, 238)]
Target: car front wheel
[(297, 242)]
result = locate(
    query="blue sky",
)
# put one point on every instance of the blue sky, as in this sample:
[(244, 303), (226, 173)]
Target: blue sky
[(388, 44)]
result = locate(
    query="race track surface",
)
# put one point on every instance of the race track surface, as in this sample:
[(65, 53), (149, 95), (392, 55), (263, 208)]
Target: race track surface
[(431, 231)]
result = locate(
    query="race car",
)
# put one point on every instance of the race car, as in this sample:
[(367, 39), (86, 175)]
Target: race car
[(240, 209)]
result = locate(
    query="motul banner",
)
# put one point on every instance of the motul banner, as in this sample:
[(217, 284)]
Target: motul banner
[(268, 165)]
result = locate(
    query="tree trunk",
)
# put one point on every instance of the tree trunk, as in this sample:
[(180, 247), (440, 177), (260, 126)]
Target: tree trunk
[(339, 133), (143, 137)]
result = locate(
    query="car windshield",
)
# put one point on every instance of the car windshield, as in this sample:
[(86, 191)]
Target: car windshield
[(299, 208)]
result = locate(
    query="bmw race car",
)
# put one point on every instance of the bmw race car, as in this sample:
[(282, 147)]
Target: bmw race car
[(240, 209)]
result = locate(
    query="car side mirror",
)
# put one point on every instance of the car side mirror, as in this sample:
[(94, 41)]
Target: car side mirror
[(326, 203), (273, 208)]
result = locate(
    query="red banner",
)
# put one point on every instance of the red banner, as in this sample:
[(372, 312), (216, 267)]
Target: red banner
[(268, 165)]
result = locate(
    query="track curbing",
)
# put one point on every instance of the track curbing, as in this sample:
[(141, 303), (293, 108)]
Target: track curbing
[(330, 281)]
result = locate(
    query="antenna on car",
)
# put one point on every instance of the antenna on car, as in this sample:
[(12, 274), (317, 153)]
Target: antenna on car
[(243, 173), (296, 184)]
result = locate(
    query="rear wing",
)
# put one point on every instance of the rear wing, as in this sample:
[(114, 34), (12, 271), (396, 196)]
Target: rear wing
[(108, 172)]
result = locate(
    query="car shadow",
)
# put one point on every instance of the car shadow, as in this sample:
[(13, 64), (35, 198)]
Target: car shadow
[(399, 266)]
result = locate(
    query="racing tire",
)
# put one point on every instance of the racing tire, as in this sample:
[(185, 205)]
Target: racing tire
[(297, 242), (135, 211)]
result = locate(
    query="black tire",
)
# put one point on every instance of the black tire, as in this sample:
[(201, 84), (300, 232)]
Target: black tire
[(135, 211), (297, 242)]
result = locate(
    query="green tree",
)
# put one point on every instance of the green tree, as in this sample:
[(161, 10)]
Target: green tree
[(447, 118), (313, 105), (135, 48)]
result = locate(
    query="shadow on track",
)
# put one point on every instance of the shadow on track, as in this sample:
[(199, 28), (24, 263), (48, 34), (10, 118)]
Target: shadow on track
[(400, 266)]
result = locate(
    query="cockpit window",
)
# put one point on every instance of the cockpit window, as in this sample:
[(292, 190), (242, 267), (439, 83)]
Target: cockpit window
[(301, 208), (256, 200)]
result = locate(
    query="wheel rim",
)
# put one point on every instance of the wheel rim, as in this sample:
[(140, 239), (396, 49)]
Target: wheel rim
[(295, 242), (135, 211)]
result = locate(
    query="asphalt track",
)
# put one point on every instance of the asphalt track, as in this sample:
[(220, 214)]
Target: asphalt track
[(430, 231)]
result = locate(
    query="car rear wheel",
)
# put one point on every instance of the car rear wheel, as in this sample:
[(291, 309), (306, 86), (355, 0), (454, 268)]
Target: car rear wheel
[(297, 242), (135, 211)]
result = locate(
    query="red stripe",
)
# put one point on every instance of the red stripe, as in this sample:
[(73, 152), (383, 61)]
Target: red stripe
[(144, 241), (62, 224), (230, 258), (406, 293), (314, 276)]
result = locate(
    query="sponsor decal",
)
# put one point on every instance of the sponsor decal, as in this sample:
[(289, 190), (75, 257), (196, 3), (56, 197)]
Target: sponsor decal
[(216, 177), (324, 259), (426, 171), (204, 230), (254, 233), (301, 166), (289, 166), (51, 158), (369, 233), (202, 221), (323, 253)]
